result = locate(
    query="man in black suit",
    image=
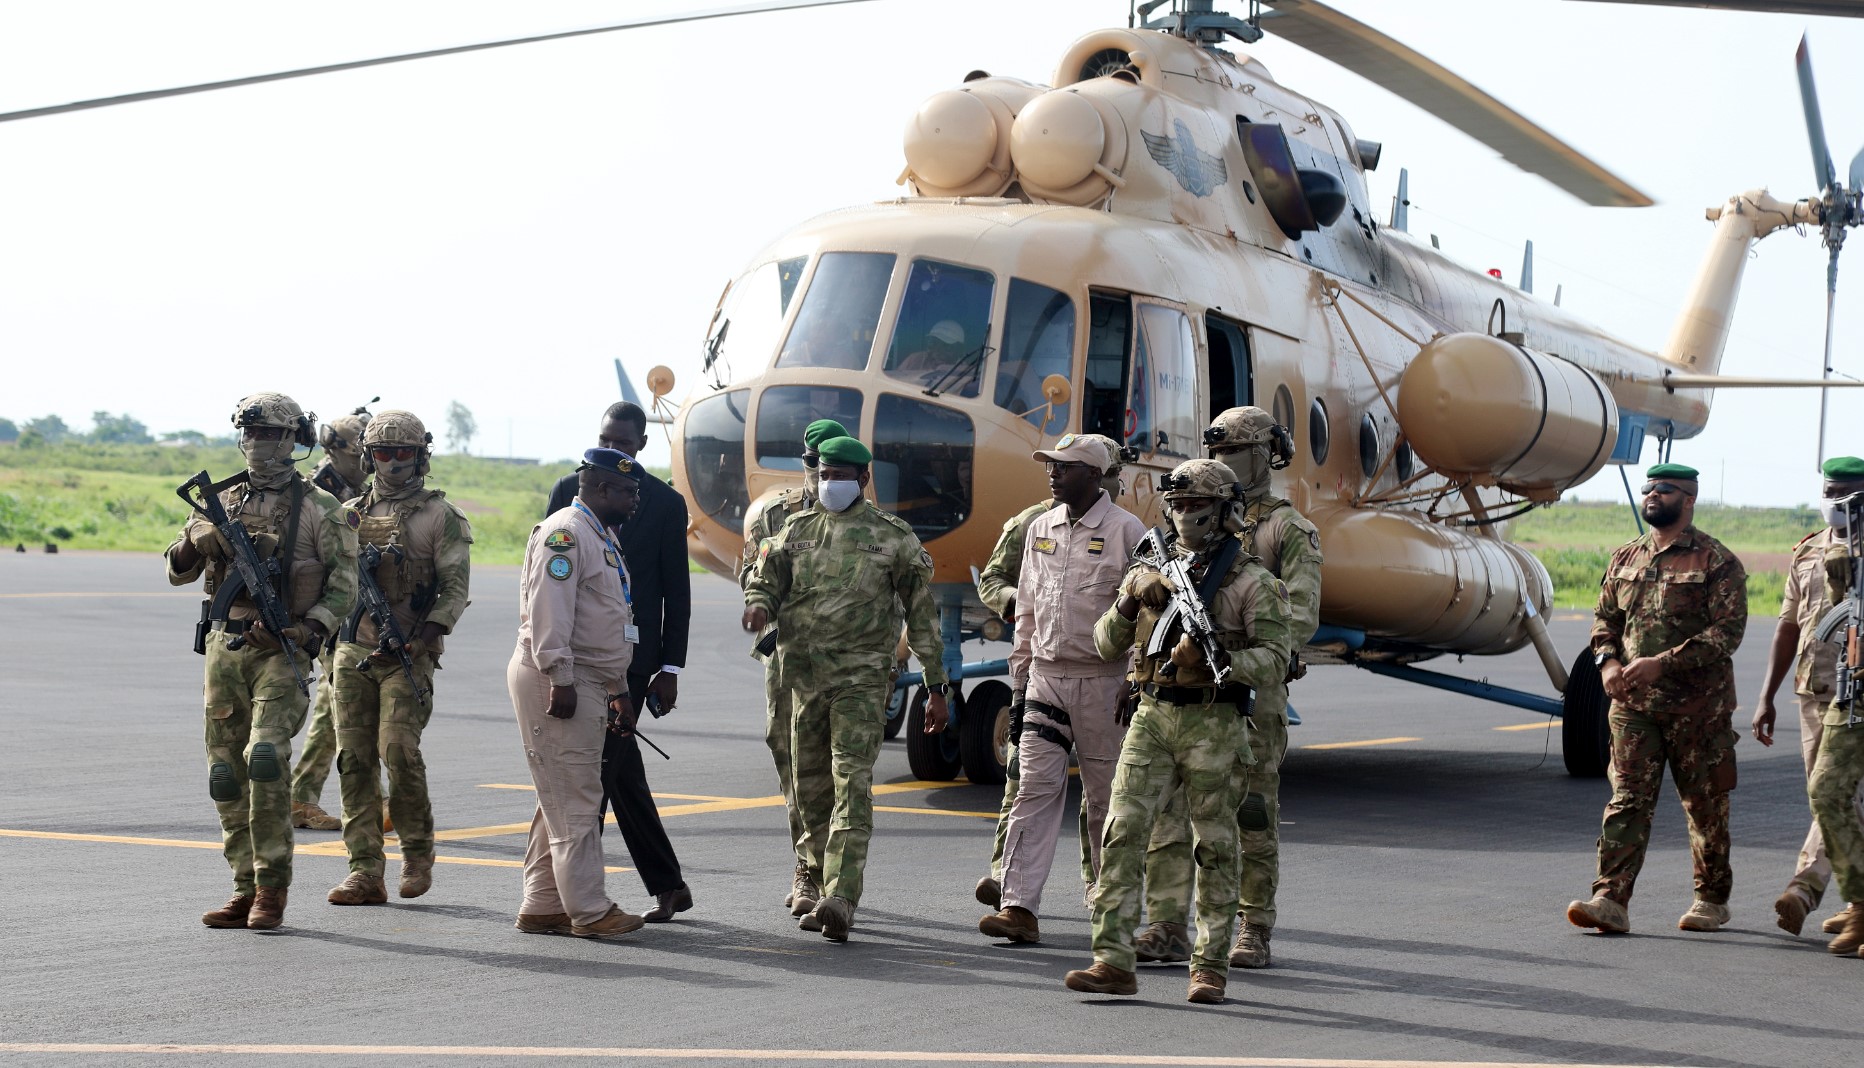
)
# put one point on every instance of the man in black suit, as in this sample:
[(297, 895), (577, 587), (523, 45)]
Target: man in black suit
[(653, 543)]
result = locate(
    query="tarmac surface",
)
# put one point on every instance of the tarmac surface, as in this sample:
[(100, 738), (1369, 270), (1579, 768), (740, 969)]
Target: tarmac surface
[(1430, 845)]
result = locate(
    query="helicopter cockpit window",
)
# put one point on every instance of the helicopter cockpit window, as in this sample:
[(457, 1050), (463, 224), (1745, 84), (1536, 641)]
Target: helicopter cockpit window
[(1162, 404), (714, 441), (1110, 318), (941, 336), (784, 412), (835, 327), (923, 463), (1038, 341), (752, 319)]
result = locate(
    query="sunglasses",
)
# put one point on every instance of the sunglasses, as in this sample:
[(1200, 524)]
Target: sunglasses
[(1058, 467), (393, 452), (1659, 489)]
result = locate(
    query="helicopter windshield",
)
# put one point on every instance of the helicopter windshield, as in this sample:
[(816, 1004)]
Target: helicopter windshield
[(940, 338), (752, 318), (835, 326), (922, 463), (1038, 341), (715, 457), (785, 412)]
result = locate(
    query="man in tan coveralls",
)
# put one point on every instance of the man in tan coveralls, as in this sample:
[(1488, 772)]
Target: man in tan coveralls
[(568, 672)]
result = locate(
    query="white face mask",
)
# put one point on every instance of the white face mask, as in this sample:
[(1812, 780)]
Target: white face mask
[(1834, 514), (839, 496)]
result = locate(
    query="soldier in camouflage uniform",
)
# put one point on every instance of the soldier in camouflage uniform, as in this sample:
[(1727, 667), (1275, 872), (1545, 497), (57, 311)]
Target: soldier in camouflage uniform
[(426, 546), (1815, 668), (1672, 610), (804, 893), (1836, 774), (996, 587), (1186, 731), (341, 476), (253, 704), (1250, 444), (833, 581)]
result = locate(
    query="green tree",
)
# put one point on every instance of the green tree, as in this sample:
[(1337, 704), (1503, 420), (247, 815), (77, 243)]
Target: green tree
[(461, 427), (9, 431), (110, 429), (186, 437), (50, 428)]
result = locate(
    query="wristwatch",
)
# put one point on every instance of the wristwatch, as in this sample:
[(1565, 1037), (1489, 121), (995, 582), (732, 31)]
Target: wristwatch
[(1599, 659), (943, 689)]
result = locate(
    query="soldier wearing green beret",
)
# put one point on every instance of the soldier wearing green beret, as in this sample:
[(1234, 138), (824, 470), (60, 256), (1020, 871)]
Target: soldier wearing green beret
[(1672, 610), (765, 523), (1815, 666), (1838, 767), (836, 581)]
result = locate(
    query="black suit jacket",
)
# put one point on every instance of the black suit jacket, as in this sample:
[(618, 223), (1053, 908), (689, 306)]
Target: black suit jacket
[(654, 545)]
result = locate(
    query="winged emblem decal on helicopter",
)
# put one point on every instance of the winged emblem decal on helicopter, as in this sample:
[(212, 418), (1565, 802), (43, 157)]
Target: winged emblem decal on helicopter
[(1199, 172)]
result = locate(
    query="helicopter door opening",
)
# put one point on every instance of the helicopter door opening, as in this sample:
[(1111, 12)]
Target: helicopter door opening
[(1232, 384), (1109, 338)]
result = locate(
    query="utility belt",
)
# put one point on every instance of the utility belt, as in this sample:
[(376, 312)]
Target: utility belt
[(1241, 696), (1045, 731), (231, 626)]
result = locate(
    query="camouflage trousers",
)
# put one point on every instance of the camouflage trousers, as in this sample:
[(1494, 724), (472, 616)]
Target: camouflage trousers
[(320, 741), (1204, 748), (1833, 791), (1169, 869), (778, 729), (253, 710), (1814, 870), (1699, 751), (835, 740), (379, 725)]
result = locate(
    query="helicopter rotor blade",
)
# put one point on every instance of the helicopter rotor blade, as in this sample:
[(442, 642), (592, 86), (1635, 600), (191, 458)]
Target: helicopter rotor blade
[(1823, 172), (1410, 74), (1857, 171), (1834, 8), (754, 8)]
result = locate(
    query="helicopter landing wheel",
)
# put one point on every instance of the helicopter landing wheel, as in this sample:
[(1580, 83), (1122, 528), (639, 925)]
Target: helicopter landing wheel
[(984, 732), (932, 757), (1585, 731)]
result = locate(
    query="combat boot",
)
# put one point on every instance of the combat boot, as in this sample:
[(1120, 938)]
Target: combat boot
[(417, 876), (836, 915), (1836, 921), (1015, 923), (1252, 946), (1206, 988), (1600, 912), (989, 892), (359, 888), (804, 893), (616, 922), (1703, 916), (544, 923), (1102, 978), (231, 914), (1791, 908), (311, 816), (1851, 935), (268, 908), (1163, 943)]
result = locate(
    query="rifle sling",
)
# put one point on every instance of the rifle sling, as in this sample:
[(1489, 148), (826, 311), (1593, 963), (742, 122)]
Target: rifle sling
[(1219, 569)]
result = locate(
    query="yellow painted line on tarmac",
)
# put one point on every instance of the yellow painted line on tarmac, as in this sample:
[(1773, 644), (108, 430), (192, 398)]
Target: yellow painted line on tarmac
[(801, 1055), (1361, 744), (321, 849), (935, 811), (101, 593), (1542, 725), (507, 786)]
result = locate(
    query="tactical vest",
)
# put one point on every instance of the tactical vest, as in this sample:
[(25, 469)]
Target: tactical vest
[(1145, 670), (410, 579), (303, 585)]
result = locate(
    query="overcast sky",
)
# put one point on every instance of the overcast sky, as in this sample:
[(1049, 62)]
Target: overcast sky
[(495, 228)]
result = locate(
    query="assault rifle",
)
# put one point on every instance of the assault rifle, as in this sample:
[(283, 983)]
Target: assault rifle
[(370, 599), (1185, 613), (1840, 624), (255, 577)]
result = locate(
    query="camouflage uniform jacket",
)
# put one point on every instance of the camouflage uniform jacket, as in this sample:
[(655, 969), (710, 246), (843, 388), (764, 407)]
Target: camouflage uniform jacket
[(1806, 602), (1289, 547), (1686, 605), (1837, 587), (767, 524), (996, 584), (835, 584), (1252, 615), (320, 585), (430, 582)]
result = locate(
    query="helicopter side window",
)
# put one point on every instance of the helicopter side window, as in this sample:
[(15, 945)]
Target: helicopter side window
[(1162, 403), (942, 334), (1109, 334), (784, 412), (835, 326), (752, 318), (923, 456), (1038, 341), (715, 457)]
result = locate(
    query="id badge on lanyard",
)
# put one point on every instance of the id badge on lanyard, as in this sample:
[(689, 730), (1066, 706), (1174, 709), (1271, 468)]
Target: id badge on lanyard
[(611, 555)]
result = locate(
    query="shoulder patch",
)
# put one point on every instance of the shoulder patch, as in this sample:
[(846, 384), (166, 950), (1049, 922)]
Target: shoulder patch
[(352, 518), (1281, 590), (560, 541), (925, 559), (560, 568)]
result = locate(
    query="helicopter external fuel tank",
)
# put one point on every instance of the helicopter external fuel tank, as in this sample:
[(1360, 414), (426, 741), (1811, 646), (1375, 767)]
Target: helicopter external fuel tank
[(1485, 407)]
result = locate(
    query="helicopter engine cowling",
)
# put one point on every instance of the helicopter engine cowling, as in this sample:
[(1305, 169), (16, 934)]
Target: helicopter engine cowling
[(958, 143), (1482, 407), (1065, 144)]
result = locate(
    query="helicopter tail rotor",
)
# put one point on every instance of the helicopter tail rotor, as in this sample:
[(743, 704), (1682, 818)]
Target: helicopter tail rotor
[(1840, 207)]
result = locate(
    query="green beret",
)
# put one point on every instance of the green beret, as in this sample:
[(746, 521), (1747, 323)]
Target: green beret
[(1683, 472), (820, 431), (844, 452), (1844, 469)]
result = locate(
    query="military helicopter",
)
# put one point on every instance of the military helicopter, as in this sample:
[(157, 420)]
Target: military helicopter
[(1159, 232)]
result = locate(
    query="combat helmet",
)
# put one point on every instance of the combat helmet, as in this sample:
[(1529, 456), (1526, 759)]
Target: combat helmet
[(397, 428), (1248, 425), (344, 433), (1203, 479), (277, 410)]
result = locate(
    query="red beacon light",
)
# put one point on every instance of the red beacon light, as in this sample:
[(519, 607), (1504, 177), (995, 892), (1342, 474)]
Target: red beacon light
[(1495, 272)]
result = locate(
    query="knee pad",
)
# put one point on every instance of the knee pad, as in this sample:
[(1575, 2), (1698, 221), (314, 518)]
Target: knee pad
[(402, 755), (1254, 815), (348, 763), (222, 786), (263, 765)]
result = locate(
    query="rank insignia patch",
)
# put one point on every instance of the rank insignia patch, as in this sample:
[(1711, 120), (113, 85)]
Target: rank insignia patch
[(1096, 546), (1043, 545), (611, 557), (560, 567), (559, 541)]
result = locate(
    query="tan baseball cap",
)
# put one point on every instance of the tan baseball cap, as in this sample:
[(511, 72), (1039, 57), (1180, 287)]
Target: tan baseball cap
[(1089, 449)]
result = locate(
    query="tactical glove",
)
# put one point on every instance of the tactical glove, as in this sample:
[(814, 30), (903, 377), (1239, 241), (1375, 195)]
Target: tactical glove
[(303, 636), (1187, 653), (209, 542), (1153, 590)]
